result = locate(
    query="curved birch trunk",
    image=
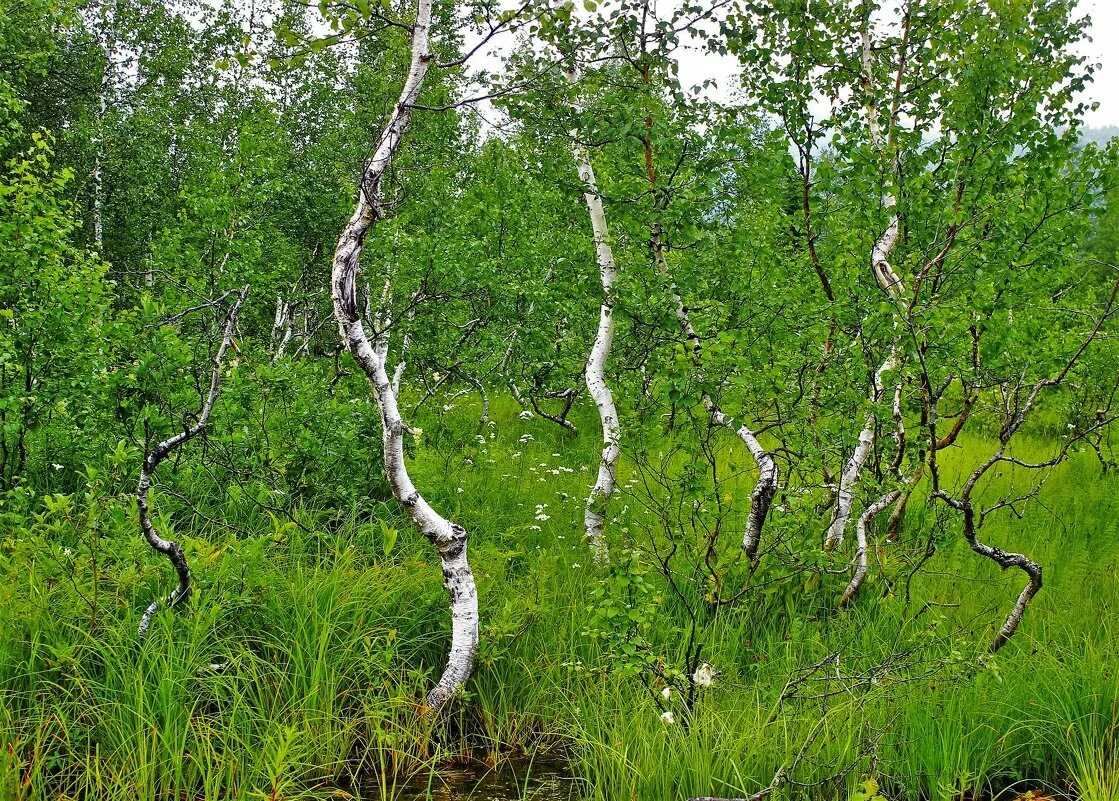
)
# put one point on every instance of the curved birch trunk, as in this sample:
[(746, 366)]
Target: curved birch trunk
[(761, 498), (868, 515), (890, 282), (845, 495), (449, 539), (155, 457), (596, 363)]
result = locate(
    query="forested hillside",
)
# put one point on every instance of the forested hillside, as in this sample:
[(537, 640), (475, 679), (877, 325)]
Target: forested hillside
[(395, 393)]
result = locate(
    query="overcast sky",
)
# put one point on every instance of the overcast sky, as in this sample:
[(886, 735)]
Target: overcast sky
[(696, 66), (1104, 49)]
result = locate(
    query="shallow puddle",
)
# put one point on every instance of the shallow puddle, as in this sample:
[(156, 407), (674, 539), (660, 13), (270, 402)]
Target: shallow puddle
[(541, 779)]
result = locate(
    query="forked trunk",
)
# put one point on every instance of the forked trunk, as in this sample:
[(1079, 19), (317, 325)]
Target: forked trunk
[(155, 457)]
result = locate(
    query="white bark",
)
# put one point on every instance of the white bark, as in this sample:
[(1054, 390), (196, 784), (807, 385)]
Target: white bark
[(849, 478), (382, 322), (868, 515), (596, 363), (405, 341), (890, 282), (161, 451), (449, 539), (762, 495), (281, 327), (105, 88)]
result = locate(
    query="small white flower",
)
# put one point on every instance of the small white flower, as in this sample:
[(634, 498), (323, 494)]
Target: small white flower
[(535, 528), (668, 718), (576, 565), (468, 460), (67, 552), (666, 693), (704, 675), (525, 415), (459, 489), (555, 454), (526, 438), (56, 466), (516, 454), (542, 517)]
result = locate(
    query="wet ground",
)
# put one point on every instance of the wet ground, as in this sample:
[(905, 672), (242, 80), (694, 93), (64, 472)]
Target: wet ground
[(539, 779)]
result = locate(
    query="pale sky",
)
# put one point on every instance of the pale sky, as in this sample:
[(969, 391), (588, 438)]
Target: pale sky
[(696, 66), (1104, 49)]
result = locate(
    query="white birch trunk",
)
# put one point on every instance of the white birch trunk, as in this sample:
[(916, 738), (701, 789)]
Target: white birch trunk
[(892, 284), (382, 323), (865, 518), (603, 488), (852, 471), (761, 498), (103, 92), (405, 341), (449, 539)]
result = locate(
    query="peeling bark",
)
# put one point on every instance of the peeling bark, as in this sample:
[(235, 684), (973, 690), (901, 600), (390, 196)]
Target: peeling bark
[(155, 457), (448, 538)]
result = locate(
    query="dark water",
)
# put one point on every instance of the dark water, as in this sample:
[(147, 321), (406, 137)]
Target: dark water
[(539, 779)]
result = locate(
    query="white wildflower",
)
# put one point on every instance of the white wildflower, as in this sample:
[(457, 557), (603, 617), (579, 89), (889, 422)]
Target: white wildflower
[(56, 466), (666, 693), (526, 438), (668, 718), (525, 415), (704, 675)]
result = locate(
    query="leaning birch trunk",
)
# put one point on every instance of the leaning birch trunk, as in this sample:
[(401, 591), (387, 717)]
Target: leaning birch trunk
[(603, 488), (889, 281), (864, 520), (761, 498), (853, 469), (449, 539), (161, 451)]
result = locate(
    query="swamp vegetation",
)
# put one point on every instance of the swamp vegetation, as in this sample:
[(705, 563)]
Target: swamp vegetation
[(423, 399)]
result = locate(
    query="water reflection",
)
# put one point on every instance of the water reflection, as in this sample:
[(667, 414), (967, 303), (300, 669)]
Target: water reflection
[(539, 779)]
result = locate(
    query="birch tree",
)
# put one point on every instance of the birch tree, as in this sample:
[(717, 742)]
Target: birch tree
[(154, 457), (448, 538), (599, 390)]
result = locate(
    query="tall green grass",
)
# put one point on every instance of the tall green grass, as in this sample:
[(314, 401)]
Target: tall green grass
[(299, 668)]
